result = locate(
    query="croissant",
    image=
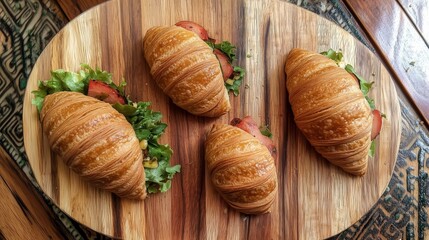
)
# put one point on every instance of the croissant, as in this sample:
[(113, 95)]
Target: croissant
[(241, 169), (95, 141), (186, 69), (329, 109)]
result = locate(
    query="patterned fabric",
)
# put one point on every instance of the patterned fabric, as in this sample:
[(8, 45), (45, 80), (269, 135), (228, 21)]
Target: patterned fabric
[(26, 26)]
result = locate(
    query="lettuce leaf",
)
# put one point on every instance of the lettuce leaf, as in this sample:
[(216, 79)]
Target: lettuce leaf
[(62, 80), (159, 179), (232, 84), (235, 83), (147, 125), (365, 86), (332, 54), (266, 131), (227, 48)]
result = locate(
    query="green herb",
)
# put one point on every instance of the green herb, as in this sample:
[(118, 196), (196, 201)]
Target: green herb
[(266, 131), (232, 84), (159, 179), (146, 123), (125, 109), (365, 86), (237, 79), (227, 48), (211, 43), (332, 54)]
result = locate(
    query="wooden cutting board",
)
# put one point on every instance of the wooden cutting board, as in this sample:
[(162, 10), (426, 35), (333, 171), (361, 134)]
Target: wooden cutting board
[(315, 199)]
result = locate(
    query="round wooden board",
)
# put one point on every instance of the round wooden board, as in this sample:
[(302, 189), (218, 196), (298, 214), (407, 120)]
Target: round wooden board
[(315, 199)]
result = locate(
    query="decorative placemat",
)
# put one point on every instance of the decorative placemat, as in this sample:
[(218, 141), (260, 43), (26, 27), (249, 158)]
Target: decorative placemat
[(27, 26)]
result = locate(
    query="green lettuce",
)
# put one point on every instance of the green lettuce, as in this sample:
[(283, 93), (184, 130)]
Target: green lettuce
[(62, 80), (147, 125), (266, 131), (232, 84)]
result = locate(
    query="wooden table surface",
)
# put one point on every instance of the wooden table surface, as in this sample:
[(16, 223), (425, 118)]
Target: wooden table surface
[(397, 31)]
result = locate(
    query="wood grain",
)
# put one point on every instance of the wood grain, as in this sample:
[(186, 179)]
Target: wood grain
[(25, 214), (400, 46), (315, 199)]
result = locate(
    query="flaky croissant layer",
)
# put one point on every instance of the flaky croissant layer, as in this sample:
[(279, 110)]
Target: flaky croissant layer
[(95, 141), (186, 69), (241, 169), (329, 109)]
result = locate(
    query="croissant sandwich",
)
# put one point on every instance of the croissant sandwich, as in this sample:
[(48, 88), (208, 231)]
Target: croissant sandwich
[(95, 141), (331, 110), (103, 136), (195, 74), (241, 166)]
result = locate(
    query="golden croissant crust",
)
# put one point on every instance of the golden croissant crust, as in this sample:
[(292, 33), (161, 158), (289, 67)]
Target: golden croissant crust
[(329, 109), (186, 69), (95, 141), (241, 169)]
